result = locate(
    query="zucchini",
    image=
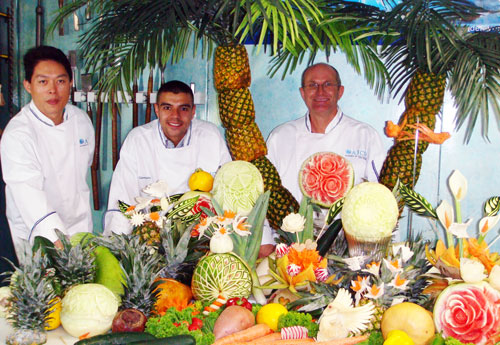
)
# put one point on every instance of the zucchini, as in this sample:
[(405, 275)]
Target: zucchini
[(183, 339), (117, 338), (326, 240)]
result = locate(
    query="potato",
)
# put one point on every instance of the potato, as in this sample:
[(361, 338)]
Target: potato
[(233, 319)]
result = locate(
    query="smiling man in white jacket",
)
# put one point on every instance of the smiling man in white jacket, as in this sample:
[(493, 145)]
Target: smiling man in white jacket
[(324, 128), (168, 149), (46, 150)]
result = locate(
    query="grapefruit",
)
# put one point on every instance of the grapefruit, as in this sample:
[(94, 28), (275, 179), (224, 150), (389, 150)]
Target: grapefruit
[(411, 319)]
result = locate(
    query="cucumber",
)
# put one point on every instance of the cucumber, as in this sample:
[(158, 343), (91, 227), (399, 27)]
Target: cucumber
[(326, 240), (183, 339), (117, 338)]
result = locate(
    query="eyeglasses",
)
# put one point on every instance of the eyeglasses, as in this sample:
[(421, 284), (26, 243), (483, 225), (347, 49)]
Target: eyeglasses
[(327, 86)]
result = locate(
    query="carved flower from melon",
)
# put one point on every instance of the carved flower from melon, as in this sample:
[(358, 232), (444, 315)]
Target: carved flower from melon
[(307, 258), (468, 312)]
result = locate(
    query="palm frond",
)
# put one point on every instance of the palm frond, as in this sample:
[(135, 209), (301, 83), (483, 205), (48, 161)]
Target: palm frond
[(474, 81)]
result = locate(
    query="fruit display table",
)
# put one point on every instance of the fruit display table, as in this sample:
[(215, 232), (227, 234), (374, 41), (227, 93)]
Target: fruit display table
[(55, 337)]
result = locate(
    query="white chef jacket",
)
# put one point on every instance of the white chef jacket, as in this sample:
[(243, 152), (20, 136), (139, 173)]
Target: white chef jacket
[(145, 159), (291, 143), (45, 171)]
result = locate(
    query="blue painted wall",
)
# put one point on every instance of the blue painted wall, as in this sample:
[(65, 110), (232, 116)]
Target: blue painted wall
[(277, 101)]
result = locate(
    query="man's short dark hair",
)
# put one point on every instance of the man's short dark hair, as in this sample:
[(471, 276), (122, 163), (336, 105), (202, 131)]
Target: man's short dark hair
[(44, 53), (175, 86), (338, 81)]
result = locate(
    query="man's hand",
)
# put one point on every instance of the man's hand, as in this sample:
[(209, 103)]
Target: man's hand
[(265, 250), (58, 244)]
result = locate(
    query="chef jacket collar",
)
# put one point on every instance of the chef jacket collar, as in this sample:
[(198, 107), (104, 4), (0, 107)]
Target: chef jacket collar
[(169, 144), (335, 121), (43, 118)]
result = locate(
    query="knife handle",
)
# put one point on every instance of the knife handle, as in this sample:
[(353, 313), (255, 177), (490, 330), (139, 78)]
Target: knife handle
[(61, 22)]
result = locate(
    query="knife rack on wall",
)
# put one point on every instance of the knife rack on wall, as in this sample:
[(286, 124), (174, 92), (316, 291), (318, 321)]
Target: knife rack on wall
[(6, 61)]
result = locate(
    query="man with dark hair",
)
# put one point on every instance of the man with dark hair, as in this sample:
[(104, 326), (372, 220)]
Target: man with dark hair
[(324, 128), (46, 150), (168, 149)]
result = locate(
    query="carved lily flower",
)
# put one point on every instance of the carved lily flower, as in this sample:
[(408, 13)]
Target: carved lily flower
[(458, 185), (487, 223), (445, 214)]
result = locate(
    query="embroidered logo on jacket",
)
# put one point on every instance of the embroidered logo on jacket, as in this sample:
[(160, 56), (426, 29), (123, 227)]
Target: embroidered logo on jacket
[(361, 154), (83, 142)]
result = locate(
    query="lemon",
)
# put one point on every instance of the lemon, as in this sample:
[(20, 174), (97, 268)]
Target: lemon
[(54, 319), (270, 313), (201, 180)]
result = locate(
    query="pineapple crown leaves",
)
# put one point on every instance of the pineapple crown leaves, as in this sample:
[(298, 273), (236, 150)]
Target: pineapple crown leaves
[(399, 276), (175, 253), (32, 294), (141, 267), (73, 264), (247, 247)]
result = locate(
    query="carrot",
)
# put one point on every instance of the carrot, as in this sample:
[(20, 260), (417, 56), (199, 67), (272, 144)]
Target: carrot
[(268, 338), (84, 336), (344, 341), (248, 334), (278, 342)]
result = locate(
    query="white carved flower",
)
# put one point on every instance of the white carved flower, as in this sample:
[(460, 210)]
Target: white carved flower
[(471, 271), (293, 223), (495, 277), (137, 219)]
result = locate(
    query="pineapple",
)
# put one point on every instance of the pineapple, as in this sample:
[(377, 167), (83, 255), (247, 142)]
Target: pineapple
[(73, 264), (232, 68), (246, 143), (141, 267), (232, 80), (423, 100), (236, 108), (31, 300), (376, 319), (180, 259), (148, 233)]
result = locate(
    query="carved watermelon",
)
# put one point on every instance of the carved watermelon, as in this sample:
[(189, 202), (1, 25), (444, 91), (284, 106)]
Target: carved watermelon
[(468, 312), (326, 177), (217, 274)]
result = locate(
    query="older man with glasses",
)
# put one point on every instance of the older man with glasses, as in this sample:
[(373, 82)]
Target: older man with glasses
[(324, 128)]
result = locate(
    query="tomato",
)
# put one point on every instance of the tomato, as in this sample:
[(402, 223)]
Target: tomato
[(195, 324), (243, 302)]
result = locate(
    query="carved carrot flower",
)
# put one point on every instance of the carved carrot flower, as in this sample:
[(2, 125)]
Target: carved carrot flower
[(399, 283), (375, 291)]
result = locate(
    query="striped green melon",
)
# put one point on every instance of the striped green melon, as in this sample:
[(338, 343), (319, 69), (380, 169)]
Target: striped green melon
[(217, 274)]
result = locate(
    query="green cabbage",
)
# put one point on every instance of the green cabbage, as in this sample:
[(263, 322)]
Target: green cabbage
[(88, 308), (237, 185)]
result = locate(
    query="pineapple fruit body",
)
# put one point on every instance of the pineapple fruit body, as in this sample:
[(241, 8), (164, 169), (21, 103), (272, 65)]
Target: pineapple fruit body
[(148, 233), (26, 337), (423, 101), (245, 141)]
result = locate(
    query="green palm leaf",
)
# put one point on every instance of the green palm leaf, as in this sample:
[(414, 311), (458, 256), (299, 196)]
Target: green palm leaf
[(416, 202)]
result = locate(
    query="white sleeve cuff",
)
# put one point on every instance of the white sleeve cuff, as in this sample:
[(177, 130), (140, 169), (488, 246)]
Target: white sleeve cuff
[(116, 223), (45, 227)]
